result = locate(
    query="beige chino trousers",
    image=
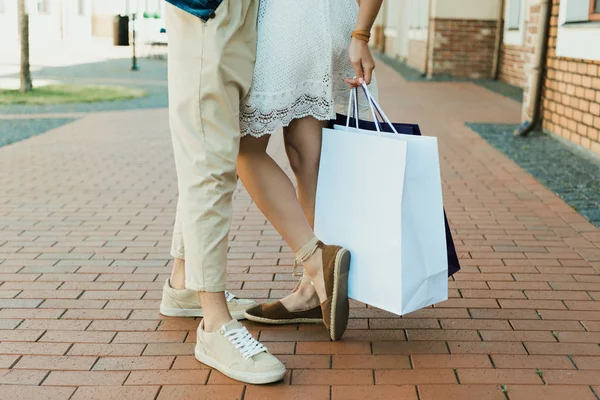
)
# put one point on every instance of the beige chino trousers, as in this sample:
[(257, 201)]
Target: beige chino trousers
[(210, 70)]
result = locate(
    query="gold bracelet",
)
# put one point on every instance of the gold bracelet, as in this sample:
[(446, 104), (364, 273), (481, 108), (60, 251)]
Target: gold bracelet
[(361, 36), (363, 32)]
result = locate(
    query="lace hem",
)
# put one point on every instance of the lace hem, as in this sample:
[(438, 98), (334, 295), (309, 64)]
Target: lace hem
[(259, 117), (256, 122)]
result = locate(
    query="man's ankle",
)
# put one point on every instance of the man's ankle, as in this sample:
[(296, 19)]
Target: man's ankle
[(177, 280), (216, 324)]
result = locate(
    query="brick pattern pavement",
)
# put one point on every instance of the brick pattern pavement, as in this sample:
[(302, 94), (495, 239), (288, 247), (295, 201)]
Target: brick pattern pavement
[(86, 213)]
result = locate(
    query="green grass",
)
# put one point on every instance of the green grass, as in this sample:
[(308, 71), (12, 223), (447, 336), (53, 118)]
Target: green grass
[(61, 94)]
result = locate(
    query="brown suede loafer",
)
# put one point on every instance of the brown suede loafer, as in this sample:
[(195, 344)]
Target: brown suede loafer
[(336, 309), (277, 314)]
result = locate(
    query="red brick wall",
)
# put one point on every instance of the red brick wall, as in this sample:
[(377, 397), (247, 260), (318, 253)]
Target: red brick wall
[(512, 64), (571, 99), (463, 48)]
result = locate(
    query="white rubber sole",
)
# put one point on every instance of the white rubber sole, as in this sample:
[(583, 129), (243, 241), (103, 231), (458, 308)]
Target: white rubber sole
[(246, 377), (194, 312)]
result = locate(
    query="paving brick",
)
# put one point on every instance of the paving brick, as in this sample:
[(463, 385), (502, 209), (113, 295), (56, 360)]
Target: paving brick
[(216, 392), (85, 378), (504, 314), (514, 361), (587, 363), (493, 294), (369, 362), (593, 326), (373, 335), (476, 324), (170, 349), (409, 348), (441, 334), (402, 323), (486, 348), (498, 376), (573, 349), (550, 392), (77, 336), (33, 348), (333, 348), (569, 377), (312, 361), (21, 377), (93, 349), (55, 324), (287, 392), (517, 336), (460, 392), (7, 361), (379, 392), (539, 325), (133, 363), (332, 377), (441, 361), (150, 337), (415, 377), (161, 377), (579, 337), (19, 335), (35, 392), (115, 392), (124, 326), (60, 363)]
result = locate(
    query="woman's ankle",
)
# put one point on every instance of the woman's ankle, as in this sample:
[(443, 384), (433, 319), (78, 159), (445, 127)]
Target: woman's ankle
[(313, 269)]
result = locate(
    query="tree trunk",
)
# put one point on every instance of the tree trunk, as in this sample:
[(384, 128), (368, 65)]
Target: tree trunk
[(26, 84)]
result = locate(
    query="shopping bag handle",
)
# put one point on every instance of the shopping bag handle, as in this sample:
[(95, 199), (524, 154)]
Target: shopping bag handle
[(353, 101), (373, 105)]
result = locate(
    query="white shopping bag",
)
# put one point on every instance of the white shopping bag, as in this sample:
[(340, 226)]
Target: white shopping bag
[(380, 196)]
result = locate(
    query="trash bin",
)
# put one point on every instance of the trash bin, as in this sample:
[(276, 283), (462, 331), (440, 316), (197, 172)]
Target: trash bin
[(121, 30)]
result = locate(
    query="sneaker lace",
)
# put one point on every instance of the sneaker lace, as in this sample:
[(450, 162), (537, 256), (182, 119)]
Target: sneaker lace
[(244, 342)]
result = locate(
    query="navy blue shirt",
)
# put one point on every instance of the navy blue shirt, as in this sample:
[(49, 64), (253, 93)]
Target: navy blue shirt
[(204, 9)]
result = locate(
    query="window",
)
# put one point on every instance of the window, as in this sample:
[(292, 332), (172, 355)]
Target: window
[(594, 10), (515, 15), (577, 28), (513, 20), (81, 8), (43, 6)]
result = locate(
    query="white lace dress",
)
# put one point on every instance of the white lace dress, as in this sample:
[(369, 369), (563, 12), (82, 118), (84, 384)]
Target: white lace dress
[(302, 61)]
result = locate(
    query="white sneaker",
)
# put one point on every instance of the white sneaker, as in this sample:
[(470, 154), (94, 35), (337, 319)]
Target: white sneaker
[(234, 352), (186, 303)]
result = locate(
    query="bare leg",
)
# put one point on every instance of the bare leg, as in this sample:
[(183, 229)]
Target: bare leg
[(303, 147), (274, 194), (178, 274), (216, 312)]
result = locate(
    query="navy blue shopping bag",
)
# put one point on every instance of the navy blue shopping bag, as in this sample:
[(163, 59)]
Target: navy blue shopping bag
[(404, 129)]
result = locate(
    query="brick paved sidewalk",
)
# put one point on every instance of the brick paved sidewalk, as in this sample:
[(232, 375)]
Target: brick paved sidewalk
[(85, 220)]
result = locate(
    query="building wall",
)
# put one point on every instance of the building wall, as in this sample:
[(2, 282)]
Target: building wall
[(9, 22), (465, 9), (417, 54), (463, 47), (571, 99), (518, 44), (512, 64), (418, 33)]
